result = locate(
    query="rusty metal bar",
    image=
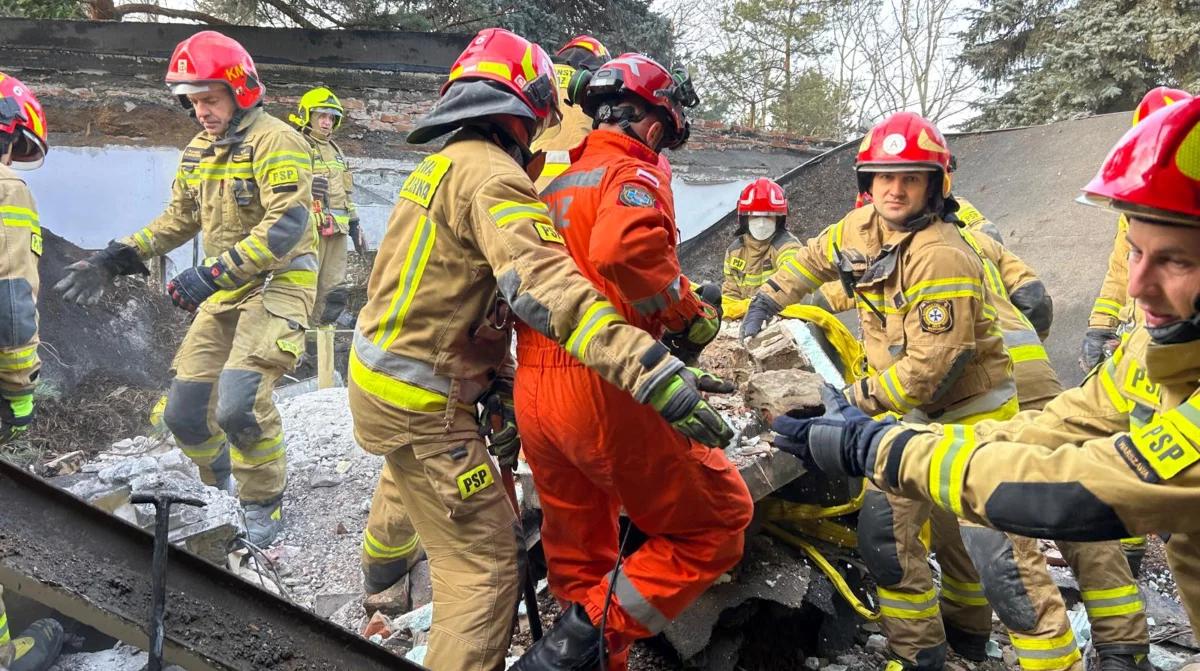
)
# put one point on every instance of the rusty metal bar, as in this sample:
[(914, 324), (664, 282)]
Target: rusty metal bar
[(95, 568)]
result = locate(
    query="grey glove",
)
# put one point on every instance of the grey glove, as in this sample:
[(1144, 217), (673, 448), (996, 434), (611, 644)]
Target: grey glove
[(760, 310), (1097, 345), (320, 187), (86, 280)]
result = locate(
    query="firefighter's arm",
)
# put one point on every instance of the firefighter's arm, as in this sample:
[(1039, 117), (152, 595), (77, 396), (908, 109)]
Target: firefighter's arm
[(545, 289), (348, 181), (729, 285), (1113, 292), (974, 221), (812, 264), (832, 298), (1103, 489), (938, 330), (177, 224), (283, 170), (1025, 289), (22, 245), (633, 247)]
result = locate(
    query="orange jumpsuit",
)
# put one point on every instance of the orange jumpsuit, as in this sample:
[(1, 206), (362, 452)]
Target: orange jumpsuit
[(593, 448)]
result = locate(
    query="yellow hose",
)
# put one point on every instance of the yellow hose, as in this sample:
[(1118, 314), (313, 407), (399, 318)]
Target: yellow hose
[(780, 510), (830, 572), (849, 349)]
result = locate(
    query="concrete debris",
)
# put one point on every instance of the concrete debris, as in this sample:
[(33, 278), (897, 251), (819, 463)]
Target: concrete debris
[(142, 464), (377, 625), (775, 348), (120, 658), (876, 643), (725, 356), (391, 602), (776, 392)]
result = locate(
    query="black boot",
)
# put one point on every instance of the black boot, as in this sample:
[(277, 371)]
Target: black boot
[(968, 645), (38, 646), (1125, 660), (572, 644)]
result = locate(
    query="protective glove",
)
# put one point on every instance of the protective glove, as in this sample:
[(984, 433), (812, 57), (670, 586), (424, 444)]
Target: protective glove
[(678, 400), (16, 414), (1098, 344), (194, 285), (357, 237), (839, 442), (320, 187), (758, 312), (498, 423), (701, 330), (86, 280)]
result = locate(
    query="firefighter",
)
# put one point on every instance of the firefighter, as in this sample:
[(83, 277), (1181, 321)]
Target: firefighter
[(470, 249), (763, 242), (244, 184), (593, 449), (582, 53), (1113, 307), (23, 145), (931, 337), (319, 115), (1113, 456)]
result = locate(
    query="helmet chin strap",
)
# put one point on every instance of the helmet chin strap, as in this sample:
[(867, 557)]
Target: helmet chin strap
[(1177, 333)]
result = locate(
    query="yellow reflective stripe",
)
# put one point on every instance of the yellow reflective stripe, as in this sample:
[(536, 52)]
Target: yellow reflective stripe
[(4, 636), (1109, 308), (144, 239), (905, 606), (281, 159), (298, 278), (508, 211), (966, 593), (379, 550), (392, 391), (1046, 654), (803, 273), (784, 257), (217, 171), (596, 316), (19, 359), (227, 296), (491, 67), (948, 465), (409, 279), (264, 451), (19, 217), (1109, 384), (209, 449), (896, 393), (835, 238), (1135, 543), (950, 287), (253, 249), (1122, 600), (1023, 353)]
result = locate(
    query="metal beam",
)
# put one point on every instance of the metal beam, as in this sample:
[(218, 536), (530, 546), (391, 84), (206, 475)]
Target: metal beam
[(95, 568)]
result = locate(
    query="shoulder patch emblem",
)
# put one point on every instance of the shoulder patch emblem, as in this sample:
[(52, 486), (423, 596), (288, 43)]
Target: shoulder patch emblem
[(423, 181), (548, 233), (281, 176), (636, 196), (937, 316), (968, 215), (649, 177)]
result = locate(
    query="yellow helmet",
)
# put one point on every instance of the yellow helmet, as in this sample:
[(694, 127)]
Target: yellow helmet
[(319, 99)]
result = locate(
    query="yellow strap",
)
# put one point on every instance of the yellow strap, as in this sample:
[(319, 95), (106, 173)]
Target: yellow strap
[(830, 572), (849, 349)]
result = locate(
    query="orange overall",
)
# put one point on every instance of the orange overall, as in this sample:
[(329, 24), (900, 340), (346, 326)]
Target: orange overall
[(592, 447)]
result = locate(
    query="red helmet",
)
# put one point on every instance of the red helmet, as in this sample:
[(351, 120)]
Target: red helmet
[(22, 123), (903, 142), (1156, 99), (210, 57), (764, 197), (589, 53), (641, 76), (1153, 172)]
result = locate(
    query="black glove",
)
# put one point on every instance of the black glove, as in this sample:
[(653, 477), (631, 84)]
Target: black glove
[(760, 310), (839, 442), (194, 285), (703, 329), (678, 400), (86, 280), (498, 423), (1097, 345), (16, 414), (320, 187), (357, 237)]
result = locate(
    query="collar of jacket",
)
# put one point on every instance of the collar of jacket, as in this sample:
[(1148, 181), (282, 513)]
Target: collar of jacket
[(233, 137), (614, 142), (316, 139), (1173, 364)]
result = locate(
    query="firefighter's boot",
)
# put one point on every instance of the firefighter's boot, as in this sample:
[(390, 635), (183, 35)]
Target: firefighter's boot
[(264, 521), (573, 644), (35, 649), (1125, 661)]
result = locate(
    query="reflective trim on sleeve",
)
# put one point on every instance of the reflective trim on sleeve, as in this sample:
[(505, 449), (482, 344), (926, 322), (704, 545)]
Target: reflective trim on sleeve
[(596, 317), (1107, 307), (949, 464), (806, 276), (281, 159), (897, 395), (508, 211), (660, 301), (637, 606)]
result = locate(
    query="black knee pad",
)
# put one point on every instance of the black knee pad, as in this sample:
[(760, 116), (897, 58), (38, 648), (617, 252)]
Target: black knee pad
[(992, 553), (186, 414), (877, 540), (236, 392)]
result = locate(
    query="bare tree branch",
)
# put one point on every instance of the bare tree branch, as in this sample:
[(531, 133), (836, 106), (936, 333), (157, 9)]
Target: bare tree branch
[(104, 10), (290, 12)]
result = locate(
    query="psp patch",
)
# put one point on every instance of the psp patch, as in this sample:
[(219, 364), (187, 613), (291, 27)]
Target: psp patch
[(636, 196), (474, 481), (968, 215), (937, 316), (548, 233), (280, 176), (737, 263)]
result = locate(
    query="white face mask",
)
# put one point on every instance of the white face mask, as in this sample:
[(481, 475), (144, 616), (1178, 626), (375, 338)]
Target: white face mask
[(761, 228)]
